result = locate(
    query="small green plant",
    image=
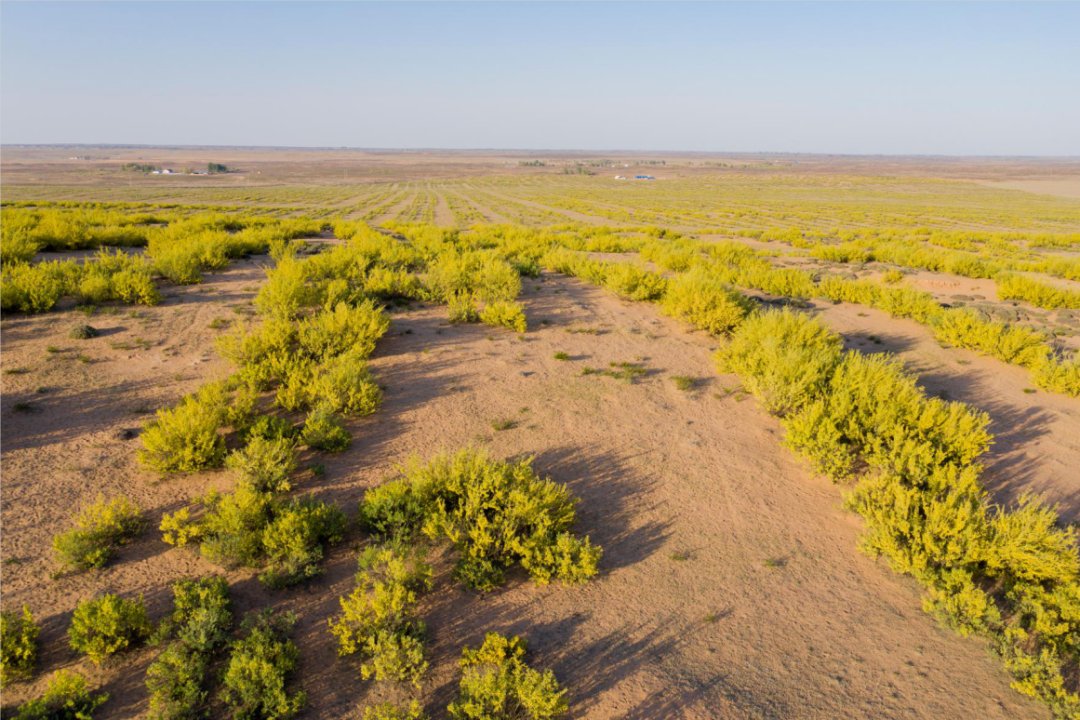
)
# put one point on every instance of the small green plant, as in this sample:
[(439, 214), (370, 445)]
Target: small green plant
[(66, 697), (257, 673), (497, 683), (107, 625), (324, 431), (684, 382), (390, 711), (505, 313), (504, 424), (562, 355), (218, 323), (100, 529), (18, 645), (83, 332)]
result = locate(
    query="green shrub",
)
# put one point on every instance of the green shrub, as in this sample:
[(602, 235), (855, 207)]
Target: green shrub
[(344, 385), (497, 684), (390, 711), (99, 529), (200, 622), (231, 531), (632, 282), (66, 697), (265, 464), (504, 313), (258, 670), (700, 299), (201, 615), (496, 514), (186, 438), (18, 645), (342, 329), (323, 431), (379, 621), (783, 358), (107, 625), (293, 541)]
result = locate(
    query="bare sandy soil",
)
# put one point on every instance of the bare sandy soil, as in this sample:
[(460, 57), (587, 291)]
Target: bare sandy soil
[(730, 584), (1066, 187)]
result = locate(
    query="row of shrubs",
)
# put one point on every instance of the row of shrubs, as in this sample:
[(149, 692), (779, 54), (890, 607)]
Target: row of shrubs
[(108, 276), (253, 682), (1039, 294), (1010, 575), (734, 265), (179, 252)]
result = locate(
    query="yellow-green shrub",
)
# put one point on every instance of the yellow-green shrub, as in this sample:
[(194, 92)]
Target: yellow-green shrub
[(18, 645), (379, 619), (107, 625), (705, 302), (497, 683), (66, 697), (256, 676), (496, 514), (185, 438), (99, 529), (782, 357), (504, 313)]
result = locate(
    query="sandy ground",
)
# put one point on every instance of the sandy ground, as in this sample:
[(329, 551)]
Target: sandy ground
[(730, 584), (1066, 187)]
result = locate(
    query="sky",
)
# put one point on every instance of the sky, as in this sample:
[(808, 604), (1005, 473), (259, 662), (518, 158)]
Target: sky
[(862, 78)]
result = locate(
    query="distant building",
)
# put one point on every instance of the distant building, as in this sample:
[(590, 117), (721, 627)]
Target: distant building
[(620, 177), (644, 177)]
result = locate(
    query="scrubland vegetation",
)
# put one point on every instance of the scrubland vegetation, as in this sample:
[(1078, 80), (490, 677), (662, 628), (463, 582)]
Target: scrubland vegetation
[(301, 376)]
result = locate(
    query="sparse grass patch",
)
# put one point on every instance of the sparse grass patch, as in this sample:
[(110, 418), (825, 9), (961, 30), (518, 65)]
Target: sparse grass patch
[(561, 355), (684, 382)]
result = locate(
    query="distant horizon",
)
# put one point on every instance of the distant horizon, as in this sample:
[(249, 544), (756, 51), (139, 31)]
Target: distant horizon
[(577, 151), (818, 78)]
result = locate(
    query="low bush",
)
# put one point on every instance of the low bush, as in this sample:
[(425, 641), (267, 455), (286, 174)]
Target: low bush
[(99, 529), (66, 697), (265, 464), (1020, 287), (323, 430), (257, 674), (107, 625), (186, 438), (199, 625), (783, 358), (497, 683), (633, 283), (251, 528), (293, 541), (504, 313), (705, 302), (344, 385), (379, 621), (496, 514), (390, 711), (18, 645)]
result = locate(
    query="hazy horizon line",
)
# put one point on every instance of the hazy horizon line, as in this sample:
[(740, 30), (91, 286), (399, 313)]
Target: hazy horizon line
[(357, 148)]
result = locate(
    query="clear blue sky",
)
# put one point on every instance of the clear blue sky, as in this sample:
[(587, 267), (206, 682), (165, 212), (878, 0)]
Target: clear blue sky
[(948, 78)]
